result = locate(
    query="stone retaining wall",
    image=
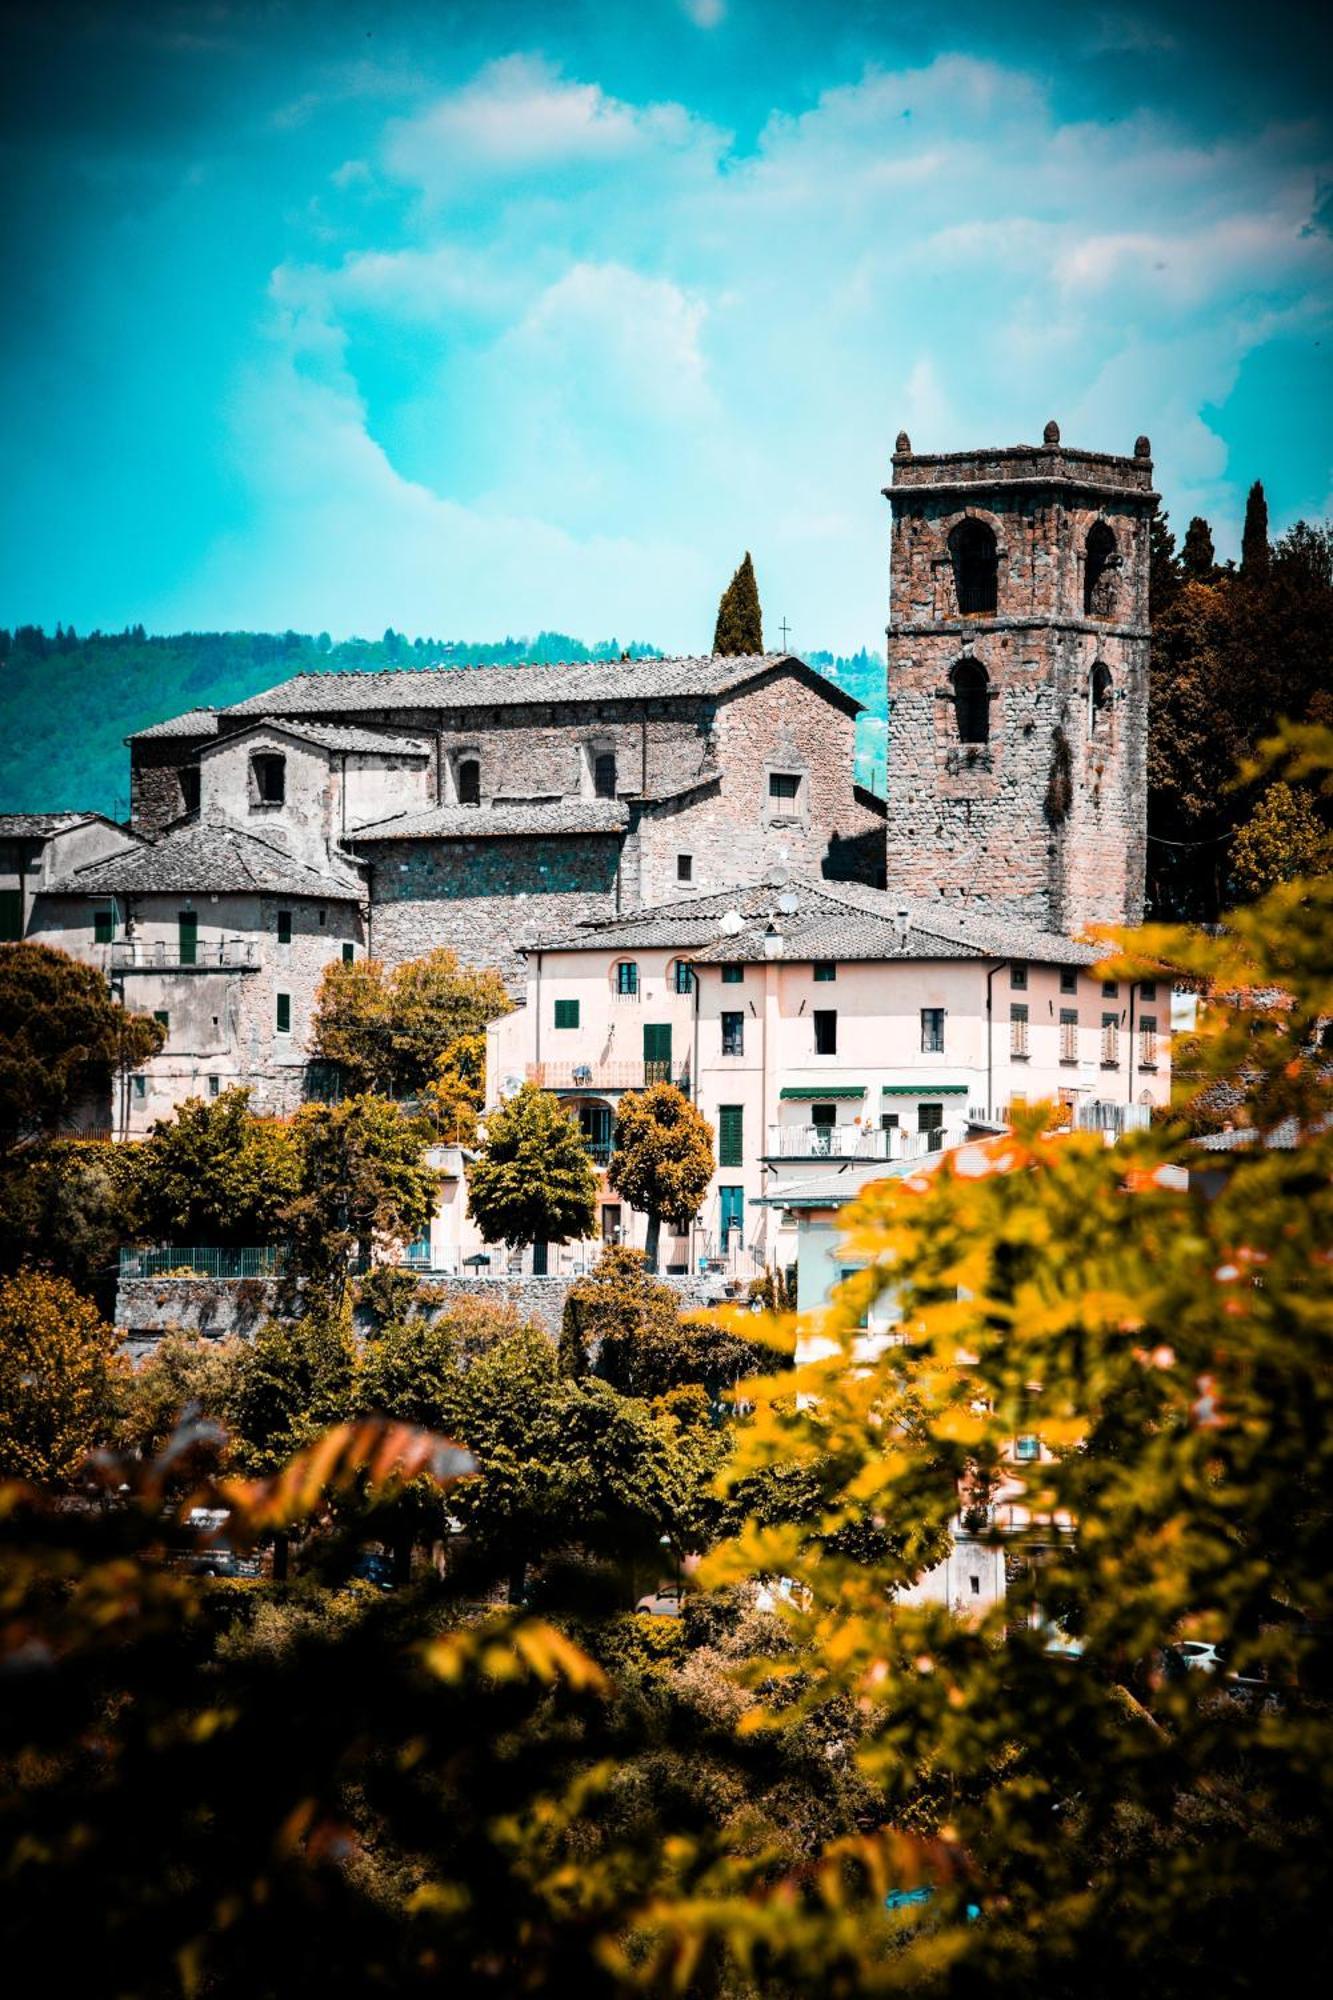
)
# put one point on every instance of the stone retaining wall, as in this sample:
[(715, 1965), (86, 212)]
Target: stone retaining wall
[(146, 1308)]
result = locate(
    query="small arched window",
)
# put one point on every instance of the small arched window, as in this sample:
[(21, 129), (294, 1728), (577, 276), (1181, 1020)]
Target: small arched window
[(975, 566), (971, 701), (626, 977), (604, 775), (1100, 696), (469, 782), (1100, 563)]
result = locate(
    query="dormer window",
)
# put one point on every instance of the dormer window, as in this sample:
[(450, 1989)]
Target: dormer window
[(268, 778)]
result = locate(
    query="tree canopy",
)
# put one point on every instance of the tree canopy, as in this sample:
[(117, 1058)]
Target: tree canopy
[(365, 1186), (63, 1039), (663, 1158), (57, 1364), (214, 1173), (740, 623), (391, 1030), (532, 1180)]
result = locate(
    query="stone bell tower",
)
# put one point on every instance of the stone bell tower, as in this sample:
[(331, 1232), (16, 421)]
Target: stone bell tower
[(1018, 681)]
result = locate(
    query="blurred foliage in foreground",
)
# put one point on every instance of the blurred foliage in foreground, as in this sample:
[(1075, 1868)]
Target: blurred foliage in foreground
[(235, 1788)]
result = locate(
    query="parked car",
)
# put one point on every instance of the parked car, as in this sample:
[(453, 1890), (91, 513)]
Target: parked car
[(372, 1567), (663, 1602), (211, 1554), (1198, 1654)]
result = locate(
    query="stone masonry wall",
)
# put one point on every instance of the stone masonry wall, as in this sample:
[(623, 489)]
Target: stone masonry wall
[(146, 1308), (1046, 820), (482, 897)]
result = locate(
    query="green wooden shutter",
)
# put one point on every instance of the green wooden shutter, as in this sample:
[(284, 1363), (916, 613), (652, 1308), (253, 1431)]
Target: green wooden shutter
[(730, 1135), (657, 1051), (187, 927), (566, 1013)]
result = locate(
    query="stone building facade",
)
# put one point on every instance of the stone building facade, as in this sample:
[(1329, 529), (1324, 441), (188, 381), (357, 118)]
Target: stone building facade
[(1018, 680)]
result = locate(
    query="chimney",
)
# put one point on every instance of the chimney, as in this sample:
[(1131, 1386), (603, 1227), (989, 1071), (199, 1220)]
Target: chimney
[(901, 925)]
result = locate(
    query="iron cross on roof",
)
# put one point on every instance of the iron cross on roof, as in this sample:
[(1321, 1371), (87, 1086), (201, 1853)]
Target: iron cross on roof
[(784, 628)]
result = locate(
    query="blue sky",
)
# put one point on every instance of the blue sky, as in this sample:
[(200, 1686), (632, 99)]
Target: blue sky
[(474, 319)]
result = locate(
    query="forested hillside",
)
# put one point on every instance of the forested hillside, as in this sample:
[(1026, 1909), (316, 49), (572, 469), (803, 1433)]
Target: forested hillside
[(71, 702)]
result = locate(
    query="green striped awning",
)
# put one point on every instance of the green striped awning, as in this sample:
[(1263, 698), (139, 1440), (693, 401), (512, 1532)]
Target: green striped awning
[(823, 1091), (924, 1089)]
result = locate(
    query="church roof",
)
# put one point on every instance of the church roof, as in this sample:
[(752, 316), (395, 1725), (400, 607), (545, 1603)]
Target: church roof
[(211, 857), (334, 736), (523, 685), (500, 819), (191, 722)]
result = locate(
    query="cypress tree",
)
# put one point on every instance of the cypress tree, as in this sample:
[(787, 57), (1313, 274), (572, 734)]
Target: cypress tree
[(1198, 559), (1163, 566), (1254, 539), (740, 622)]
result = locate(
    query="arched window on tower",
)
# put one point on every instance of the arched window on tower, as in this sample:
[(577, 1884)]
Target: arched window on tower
[(469, 782), (1100, 563), (971, 701), (975, 566), (1100, 696)]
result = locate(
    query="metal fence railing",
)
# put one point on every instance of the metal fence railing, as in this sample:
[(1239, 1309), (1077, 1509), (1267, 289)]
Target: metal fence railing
[(171, 1260)]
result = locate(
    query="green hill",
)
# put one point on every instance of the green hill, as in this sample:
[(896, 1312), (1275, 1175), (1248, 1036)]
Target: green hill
[(70, 702)]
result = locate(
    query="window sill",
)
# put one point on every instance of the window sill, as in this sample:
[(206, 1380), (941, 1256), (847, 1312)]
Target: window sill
[(1110, 1065), (1069, 1062), (1019, 1055), (1150, 1068)]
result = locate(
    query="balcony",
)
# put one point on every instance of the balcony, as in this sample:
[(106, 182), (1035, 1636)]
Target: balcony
[(1111, 1118), (849, 1142), (159, 955), (628, 1074)]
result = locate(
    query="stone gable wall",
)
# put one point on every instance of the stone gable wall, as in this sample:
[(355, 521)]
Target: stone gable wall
[(481, 897)]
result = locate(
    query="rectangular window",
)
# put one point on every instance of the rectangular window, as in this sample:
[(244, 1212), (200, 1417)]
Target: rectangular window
[(1110, 1041), (930, 1120), (823, 1114), (684, 867), (1027, 1450), (187, 936), (932, 1031), (784, 787), (826, 1032), (1018, 978), (323, 918), (684, 977), (825, 972), (733, 975), (1018, 1031), (284, 926), (140, 1086), (1148, 989), (214, 1085), (852, 1271), (104, 926), (1069, 1034), (657, 1051), (731, 1135), (733, 1034), (627, 978), (611, 1223), (11, 914), (888, 1121), (1110, 990), (349, 953), (284, 1014), (731, 1205), (160, 1014), (566, 1013), (189, 778), (1068, 981), (1148, 1042)]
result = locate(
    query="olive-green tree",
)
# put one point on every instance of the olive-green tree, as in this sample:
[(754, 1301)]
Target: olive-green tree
[(364, 1189), (389, 1030), (63, 1041), (532, 1180), (663, 1161), (214, 1173), (58, 1363), (740, 623)]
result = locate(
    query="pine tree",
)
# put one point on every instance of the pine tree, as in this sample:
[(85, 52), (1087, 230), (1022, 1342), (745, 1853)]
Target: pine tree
[(1254, 539), (1198, 559), (740, 622)]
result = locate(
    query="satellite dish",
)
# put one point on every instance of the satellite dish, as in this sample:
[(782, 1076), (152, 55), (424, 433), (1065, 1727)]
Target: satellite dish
[(511, 1087), (789, 904), (731, 923)]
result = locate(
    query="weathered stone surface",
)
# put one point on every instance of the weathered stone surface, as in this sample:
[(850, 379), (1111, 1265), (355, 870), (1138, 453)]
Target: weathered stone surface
[(1045, 819), (147, 1308)]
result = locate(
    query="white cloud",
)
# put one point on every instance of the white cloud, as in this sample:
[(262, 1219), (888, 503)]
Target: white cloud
[(593, 351)]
